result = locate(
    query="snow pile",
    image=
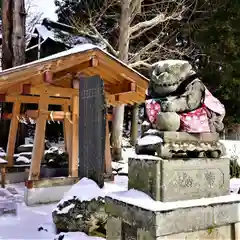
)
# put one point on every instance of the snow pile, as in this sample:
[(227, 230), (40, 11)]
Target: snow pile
[(22, 159), (2, 153), (2, 161), (54, 149), (145, 123), (76, 236), (87, 190), (147, 140), (234, 185), (7, 202), (84, 190)]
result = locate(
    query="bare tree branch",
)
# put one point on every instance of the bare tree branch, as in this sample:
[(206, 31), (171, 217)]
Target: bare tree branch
[(144, 50), (140, 64), (160, 18), (109, 46)]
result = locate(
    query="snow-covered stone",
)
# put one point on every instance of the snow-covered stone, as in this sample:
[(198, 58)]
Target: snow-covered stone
[(2, 161), (82, 208), (7, 202), (23, 160), (25, 148)]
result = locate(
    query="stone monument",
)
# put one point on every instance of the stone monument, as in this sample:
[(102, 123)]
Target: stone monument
[(178, 180)]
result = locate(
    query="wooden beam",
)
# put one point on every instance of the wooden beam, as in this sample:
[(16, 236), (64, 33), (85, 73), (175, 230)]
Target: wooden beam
[(121, 70), (51, 115), (2, 97), (73, 163), (13, 133), (39, 138), (48, 77), (52, 91), (31, 71), (124, 87), (129, 97), (34, 99)]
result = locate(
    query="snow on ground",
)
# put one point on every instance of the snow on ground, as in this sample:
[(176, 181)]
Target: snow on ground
[(36, 222)]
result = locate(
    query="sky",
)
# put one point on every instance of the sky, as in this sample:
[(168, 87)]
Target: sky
[(46, 7)]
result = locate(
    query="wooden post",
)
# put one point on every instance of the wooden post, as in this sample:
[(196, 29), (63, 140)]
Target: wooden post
[(66, 128), (73, 163), (108, 158), (13, 132), (39, 138), (134, 125), (3, 176)]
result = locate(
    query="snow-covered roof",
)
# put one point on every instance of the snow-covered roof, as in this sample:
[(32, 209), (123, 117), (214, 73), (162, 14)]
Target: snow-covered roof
[(62, 33), (78, 49), (109, 68)]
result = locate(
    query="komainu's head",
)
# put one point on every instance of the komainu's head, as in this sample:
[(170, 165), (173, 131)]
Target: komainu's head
[(166, 76)]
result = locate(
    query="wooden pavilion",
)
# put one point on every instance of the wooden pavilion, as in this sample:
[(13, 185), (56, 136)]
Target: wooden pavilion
[(54, 81)]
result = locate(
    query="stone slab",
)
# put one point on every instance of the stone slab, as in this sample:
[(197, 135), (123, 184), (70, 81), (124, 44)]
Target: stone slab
[(172, 220), (187, 137), (179, 179), (116, 230)]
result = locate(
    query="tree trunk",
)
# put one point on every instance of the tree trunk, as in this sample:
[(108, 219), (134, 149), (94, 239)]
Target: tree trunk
[(134, 125), (123, 56), (18, 39), (13, 48), (7, 30), (7, 56), (18, 44)]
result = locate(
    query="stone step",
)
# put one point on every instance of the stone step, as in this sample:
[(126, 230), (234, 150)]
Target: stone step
[(179, 179), (133, 215)]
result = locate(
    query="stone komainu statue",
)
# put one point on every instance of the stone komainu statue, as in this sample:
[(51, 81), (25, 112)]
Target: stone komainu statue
[(183, 116)]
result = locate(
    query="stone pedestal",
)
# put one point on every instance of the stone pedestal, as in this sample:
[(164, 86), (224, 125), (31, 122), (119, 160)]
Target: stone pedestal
[(179, 179), (133, 215)]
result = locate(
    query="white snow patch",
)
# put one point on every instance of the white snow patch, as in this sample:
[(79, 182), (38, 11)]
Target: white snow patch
[(44, 32), (66, 209), (234, 185), (142, 200), (23, 159), (87, 190), (3, 154), (147, 140), (170, 62), (78, 236), (26, 145), (145, 123), (84, 190), (2, 161), (29, 219)]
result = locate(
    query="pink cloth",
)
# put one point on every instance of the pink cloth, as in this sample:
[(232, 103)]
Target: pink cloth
[(213, 103), (195, 121), (152, 108)]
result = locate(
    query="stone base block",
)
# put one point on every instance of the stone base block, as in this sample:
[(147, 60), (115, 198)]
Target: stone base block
[(212, 218), (126, 232), (179, 179)]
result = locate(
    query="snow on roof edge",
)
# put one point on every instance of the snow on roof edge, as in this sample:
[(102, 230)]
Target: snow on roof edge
[(75, 50)]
